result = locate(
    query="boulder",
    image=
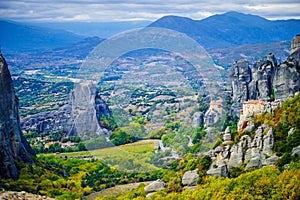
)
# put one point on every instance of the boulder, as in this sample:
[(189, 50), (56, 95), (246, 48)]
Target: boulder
[(155, 186), (296, 151), (271, 161), (189, 187), (190, 178), (218, 169), (227, 135)]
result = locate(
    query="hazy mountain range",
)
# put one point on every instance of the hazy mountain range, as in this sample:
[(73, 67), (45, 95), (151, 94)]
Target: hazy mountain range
[(231, 29), (226, 30)]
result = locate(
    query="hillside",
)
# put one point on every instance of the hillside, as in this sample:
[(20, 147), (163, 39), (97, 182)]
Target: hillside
[(90, 29), (231, 29), (252, 52), (21, 37)]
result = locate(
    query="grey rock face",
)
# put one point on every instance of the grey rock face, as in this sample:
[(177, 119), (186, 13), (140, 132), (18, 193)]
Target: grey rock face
[(263, 72), (250, 127), (295, 44), (227, 135), (296, 151), (84, 115), (190, 178), (256, 152), (80, 116), (215, 113), (155, 186), (218, 169), (286, 80), (266, 80), (13, 145), (47, 122), (198, 119), (268, 143), (241, 76), (271, 160)]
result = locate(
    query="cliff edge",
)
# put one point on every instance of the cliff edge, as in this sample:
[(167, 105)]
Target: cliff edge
[(13, 145)]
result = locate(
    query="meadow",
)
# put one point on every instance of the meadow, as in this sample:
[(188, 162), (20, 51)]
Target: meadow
[(129, 157)]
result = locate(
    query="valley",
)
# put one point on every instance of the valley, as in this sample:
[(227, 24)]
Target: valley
[(152, 123)]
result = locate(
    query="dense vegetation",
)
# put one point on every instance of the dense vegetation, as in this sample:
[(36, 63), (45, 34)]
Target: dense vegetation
[(285, 122), (45, 95), (265, 183), (65, 178)]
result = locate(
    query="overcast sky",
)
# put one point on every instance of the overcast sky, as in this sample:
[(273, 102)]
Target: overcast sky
[(121, 10)]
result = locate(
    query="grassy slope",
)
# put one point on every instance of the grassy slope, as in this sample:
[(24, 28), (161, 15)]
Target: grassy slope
[(129, 157)]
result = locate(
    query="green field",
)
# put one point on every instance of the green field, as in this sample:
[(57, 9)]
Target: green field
[(130, 157)]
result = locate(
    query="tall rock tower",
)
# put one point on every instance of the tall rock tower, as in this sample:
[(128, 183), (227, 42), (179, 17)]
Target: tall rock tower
[(295, 44), (13, 145)]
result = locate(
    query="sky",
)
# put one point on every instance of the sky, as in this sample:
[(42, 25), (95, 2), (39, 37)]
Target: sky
[(131, 10)]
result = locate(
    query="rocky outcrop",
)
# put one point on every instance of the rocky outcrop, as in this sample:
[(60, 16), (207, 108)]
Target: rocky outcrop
[(218, 169), (80, 115), (296, 151), (266, 80), (22, 196), (287, 79), (190, 178), (84, 115), (215, 113), (251, 152), (13, 146), (295, 44), (48, 122), (241, 76), (155, 186), (198, 119)]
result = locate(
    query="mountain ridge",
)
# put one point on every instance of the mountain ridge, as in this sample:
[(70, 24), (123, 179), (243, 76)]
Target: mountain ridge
[(231, 29), (21, 37)]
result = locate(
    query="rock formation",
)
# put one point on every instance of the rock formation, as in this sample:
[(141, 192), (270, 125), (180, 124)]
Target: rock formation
[(84, 114), (190, 178), (266, 80), (153, 187), (241, 76), (80, 115), (47, 122), (295, 44), (22, 196), (13, 145), (198, 119), (252, 152)]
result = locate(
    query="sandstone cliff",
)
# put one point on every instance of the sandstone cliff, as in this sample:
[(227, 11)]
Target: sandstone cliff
[(80, 115), (266, 80), (257, 90), (13, 145)]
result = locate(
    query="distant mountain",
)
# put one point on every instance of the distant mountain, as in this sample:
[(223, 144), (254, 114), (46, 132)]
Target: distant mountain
[(21, 37), (100, 29), (78, 50), (252, 52), (231, 29)]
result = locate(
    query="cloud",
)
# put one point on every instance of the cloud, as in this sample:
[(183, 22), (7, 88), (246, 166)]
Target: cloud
[(120, 10)]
